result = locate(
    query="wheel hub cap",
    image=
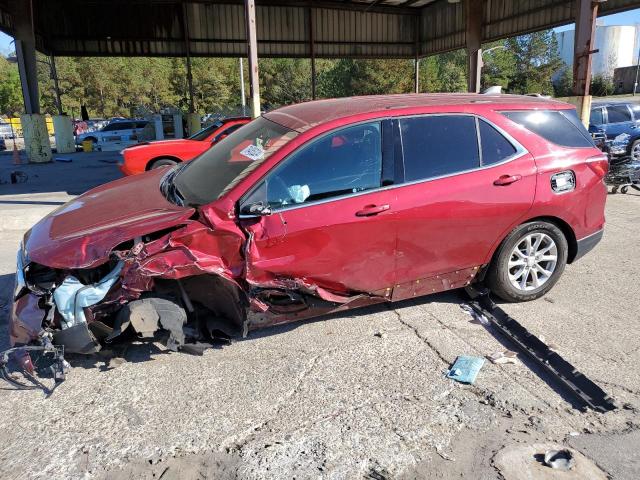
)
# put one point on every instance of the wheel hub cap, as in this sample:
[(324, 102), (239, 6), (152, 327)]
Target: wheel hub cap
[(533, 261)]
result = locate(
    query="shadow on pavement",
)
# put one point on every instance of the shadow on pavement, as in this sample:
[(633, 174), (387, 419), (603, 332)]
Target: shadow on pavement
[(84, 172)]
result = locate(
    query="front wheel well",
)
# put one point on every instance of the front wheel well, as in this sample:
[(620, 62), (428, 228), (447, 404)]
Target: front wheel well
[(151, 162)]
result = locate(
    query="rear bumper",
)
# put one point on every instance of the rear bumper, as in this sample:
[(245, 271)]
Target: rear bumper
[(586, 244)]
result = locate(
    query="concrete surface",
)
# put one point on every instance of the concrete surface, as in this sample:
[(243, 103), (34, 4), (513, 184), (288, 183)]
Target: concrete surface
[(356, 395)]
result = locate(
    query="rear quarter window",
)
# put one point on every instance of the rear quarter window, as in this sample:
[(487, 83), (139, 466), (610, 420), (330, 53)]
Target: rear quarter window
[(494, 147), (561, 127)]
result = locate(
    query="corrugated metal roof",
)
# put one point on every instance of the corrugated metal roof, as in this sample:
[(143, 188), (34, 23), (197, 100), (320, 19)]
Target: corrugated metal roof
[(348, 28)]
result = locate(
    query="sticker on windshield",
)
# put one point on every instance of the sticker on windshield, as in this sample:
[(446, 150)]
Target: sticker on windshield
[(253, 152)]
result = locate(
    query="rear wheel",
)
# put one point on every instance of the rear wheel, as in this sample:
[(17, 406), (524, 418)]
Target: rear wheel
[(529, 262), (163, 162)]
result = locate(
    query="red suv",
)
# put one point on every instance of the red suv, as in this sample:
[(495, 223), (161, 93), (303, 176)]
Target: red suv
[(316, 208)]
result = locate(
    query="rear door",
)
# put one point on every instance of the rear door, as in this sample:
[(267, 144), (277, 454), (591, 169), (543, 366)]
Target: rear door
[(619, 120), (331, 219), (465, 184)]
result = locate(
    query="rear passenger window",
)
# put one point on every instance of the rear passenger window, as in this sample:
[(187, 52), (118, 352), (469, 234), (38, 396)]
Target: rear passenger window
[(553, 126), (618, 113), (438, 145), (495, 148)]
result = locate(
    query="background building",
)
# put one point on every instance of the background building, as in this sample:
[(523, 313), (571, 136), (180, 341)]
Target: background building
[(617, 46)]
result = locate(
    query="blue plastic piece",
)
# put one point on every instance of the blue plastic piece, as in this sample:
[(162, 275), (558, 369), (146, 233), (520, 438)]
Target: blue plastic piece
[(465, 369), (72, 296)]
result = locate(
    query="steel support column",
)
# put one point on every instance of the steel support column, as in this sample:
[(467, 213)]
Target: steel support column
[(25, 42), (56, 84), (312, 53), (187, 46), (474, 13), (586, 15), (416, 60), (252, 50)]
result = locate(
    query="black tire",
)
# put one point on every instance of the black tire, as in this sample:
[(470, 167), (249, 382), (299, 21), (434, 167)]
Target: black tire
[(497, 278), (162, 162), (624, 189)]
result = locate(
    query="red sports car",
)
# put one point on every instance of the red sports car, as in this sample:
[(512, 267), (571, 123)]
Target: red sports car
[(145, 156)]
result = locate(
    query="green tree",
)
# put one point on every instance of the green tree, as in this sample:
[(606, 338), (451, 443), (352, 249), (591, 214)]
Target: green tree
[(563, 85), (285, 80), (602, 86), (499, 65), (446, 72), (536, 60), (347, 77), (10, 90)]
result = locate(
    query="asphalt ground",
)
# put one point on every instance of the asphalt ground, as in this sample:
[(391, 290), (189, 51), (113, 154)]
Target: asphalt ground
[(356, 395)]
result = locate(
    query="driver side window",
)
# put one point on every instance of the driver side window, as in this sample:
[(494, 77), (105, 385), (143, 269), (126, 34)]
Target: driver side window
[(343, 162)]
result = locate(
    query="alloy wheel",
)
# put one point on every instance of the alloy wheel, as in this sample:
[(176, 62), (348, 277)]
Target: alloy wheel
[(533, 261)]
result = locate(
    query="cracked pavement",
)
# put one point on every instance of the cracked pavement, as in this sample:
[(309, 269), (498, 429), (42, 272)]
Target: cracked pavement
[(356, 395)]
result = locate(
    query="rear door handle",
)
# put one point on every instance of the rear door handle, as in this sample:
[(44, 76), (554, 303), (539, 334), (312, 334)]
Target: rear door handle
[(507, 180), (371, 210)]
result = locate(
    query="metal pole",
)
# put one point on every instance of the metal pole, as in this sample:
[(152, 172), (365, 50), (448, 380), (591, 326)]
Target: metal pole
[(635, 84), (252, 47), (243, 97), (474, 14), (187, 46), (585, 31), (416, 64), (312, 51), (56, 86)]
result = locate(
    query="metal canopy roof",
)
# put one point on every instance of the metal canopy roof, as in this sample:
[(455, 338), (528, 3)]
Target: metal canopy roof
[(347, 28)]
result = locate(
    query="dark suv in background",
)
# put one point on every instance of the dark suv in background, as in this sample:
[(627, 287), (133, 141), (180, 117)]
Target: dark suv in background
[(618, 120)]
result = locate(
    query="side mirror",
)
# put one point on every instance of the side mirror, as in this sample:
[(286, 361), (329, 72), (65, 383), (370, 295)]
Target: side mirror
[(258, 209)]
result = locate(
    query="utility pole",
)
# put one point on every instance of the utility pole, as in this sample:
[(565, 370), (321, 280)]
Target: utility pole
[(243, 97)]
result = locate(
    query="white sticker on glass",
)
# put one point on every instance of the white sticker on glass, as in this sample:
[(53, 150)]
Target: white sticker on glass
[(253, 152)]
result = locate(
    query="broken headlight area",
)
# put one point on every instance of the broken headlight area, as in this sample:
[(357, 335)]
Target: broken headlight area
[(84, 310)]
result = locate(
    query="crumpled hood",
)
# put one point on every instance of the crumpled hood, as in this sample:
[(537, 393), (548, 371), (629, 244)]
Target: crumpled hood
[(82, 233)]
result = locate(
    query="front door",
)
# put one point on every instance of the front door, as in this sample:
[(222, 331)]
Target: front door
[(330, 221), (458, 200)]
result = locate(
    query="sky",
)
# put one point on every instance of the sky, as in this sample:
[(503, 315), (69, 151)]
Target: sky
[(626, 18)]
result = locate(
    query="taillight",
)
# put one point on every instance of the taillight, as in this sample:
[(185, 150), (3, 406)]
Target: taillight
[(599, 164)]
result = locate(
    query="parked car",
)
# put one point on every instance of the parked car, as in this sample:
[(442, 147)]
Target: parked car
[(114, 131), (316, 208), (620, 121), (6, 132), (148, 155)]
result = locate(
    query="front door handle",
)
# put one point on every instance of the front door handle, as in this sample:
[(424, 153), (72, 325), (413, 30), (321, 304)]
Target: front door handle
[(507, 180), (371, 210)]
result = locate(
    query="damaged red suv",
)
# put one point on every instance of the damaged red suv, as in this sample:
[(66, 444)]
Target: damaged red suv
[(315, 208)]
